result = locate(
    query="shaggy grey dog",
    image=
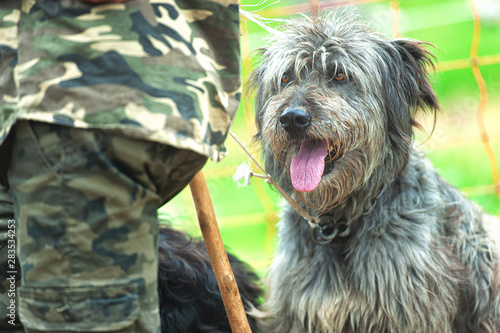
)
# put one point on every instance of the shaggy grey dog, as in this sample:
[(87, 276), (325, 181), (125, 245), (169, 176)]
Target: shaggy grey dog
[(397, 249)]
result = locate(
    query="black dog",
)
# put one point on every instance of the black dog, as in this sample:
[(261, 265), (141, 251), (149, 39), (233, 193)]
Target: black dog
[(190, 300)]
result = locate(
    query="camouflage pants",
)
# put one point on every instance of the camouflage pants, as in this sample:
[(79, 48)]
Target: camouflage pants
[(85, 205)]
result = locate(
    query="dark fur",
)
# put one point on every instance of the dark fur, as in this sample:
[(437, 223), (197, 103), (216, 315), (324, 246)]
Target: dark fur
[(190, 301), (419, 257)]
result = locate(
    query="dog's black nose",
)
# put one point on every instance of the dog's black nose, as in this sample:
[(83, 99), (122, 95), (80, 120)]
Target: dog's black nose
[(295, 119)]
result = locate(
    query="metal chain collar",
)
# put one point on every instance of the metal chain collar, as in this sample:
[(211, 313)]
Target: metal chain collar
[(324, 232)]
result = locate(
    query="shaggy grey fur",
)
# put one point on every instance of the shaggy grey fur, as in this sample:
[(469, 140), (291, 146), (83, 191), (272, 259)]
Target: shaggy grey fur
[(419, 257)]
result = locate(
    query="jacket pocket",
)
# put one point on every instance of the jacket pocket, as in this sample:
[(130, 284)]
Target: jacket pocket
[(80, 309)]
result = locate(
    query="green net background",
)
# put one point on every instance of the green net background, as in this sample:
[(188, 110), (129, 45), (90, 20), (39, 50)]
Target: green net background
[(465, 145)]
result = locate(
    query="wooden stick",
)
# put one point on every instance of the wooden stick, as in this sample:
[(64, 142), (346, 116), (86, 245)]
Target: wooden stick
[(218, 256)]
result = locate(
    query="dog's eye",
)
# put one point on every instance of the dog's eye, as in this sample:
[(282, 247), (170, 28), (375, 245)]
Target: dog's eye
[(339, 76), (285, 78)]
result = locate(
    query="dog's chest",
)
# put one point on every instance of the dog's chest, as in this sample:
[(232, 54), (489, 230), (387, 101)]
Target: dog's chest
[(363, 280)]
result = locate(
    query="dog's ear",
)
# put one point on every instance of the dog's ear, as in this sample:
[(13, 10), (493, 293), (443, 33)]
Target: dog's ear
[(417, 61), (257, 89), (407, 89)]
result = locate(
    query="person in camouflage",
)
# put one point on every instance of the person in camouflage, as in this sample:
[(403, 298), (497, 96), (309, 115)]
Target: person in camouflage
[(108, 108)]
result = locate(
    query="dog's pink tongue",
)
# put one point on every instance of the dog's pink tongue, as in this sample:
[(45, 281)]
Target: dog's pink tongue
[(308, 165)]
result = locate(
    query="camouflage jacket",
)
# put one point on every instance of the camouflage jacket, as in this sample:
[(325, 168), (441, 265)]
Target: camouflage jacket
[(159, 70)]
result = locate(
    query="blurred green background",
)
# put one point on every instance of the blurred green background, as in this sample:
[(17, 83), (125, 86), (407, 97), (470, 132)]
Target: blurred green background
[(247, 215)]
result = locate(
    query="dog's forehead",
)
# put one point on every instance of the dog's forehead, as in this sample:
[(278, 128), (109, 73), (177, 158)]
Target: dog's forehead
[(320, 43), (323, 33)]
